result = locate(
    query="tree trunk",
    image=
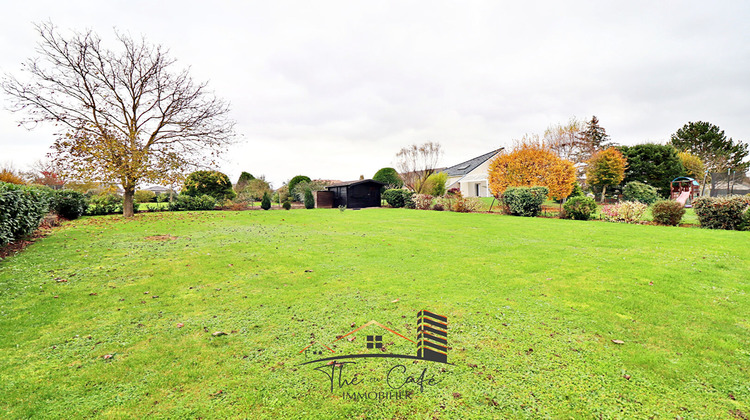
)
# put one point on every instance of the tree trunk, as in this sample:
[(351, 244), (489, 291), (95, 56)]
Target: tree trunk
[(705, 179), (127, 201), (604, 189)]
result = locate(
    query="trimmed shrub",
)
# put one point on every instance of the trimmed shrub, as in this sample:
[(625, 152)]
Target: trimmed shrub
[(213, 183), (309, 200), (144, 196), (287, 205), (68, 204), (746, 220), (580, 207), (296, 180), (389, 177), (438, 206), (184, 202), (667, 212), (265, 203), (624, 212), (721, 212), (524, 201), (638, 191), (105, 204), (422, 201), (22, 210), (399, 198)]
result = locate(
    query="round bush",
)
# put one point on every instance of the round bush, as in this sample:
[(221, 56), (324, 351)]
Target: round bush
[(399, 198), (296, 180), (389, 177), (638, 191), (265, 203), (667, 212), (213, 183), (287, 205), (69, 204), (580, 208), (524, 201)]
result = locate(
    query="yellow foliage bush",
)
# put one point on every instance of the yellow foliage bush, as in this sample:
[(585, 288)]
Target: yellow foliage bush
[(532, 164)]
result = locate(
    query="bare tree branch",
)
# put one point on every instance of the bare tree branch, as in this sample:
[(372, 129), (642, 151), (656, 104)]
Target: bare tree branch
[(125, 115), (416, 163)]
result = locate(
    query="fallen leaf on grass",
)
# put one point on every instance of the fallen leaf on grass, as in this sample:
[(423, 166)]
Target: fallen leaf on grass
[(219, 333), (180, 325), (107, 356), (395, 300), (618, 341)]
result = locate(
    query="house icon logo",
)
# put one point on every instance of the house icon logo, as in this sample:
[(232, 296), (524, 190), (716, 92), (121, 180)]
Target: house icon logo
[(431, 342)]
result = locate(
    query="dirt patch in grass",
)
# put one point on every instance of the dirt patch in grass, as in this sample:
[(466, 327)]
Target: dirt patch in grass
[(161, 238)]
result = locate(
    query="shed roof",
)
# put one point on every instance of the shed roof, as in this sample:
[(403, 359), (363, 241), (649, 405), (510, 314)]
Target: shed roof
[(464, 168), (350, 183)]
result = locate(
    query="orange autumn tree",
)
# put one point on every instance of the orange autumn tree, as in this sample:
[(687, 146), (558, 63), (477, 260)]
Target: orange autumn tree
[(606, 167), (530, 164)]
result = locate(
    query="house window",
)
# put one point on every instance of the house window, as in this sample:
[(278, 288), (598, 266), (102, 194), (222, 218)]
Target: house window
[(374, 341)]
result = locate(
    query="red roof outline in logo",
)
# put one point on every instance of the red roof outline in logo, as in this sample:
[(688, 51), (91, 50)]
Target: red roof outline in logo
[(373, 322)]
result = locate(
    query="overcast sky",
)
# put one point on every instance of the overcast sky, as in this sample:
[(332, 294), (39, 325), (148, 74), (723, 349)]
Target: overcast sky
[(333, 90)]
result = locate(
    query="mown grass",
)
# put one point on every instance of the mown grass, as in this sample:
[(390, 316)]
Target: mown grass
[(533, 307)]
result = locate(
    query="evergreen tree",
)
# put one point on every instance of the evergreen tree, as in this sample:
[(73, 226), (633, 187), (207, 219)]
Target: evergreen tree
[(265, 204), (593, 139), (653, 164), (309, 199), (710, 144)]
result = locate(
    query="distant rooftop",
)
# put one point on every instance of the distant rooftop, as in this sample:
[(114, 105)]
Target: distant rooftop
[(359, 181), (464, 168)]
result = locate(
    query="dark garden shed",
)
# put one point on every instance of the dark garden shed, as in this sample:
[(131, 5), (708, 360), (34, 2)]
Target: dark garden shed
[(356, 194)]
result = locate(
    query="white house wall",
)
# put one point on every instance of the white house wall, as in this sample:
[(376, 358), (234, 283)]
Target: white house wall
[(467, 183)]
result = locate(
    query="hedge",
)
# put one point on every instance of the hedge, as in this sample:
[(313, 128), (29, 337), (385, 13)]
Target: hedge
[(22, 209), (721, 212)]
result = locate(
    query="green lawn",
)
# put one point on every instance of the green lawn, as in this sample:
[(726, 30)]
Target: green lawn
[(532, 304)]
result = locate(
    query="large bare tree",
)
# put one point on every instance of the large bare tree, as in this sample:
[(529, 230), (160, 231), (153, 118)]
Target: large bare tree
[(123, 115), (416, 163)]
